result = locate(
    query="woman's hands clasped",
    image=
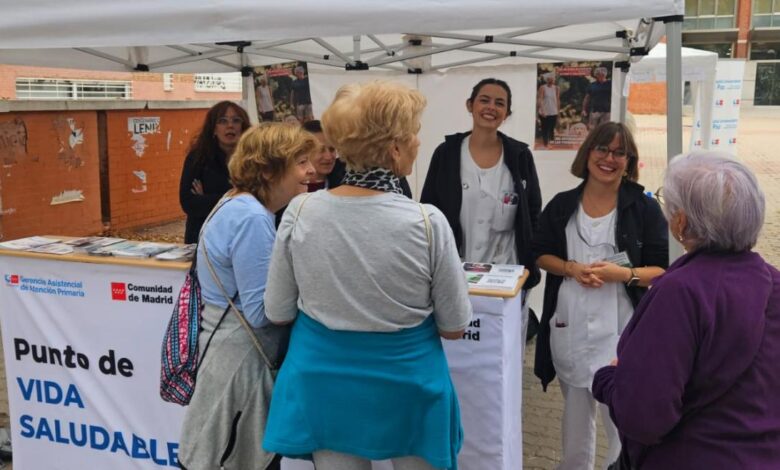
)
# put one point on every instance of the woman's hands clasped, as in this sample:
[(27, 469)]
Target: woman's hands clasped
[(594, 275)]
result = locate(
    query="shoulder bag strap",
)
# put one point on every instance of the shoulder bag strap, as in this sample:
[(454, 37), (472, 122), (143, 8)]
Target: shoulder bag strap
[(428, 232), (232, 306), (239, 314)]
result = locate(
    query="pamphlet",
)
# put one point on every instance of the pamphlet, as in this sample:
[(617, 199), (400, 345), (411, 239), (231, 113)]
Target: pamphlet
[(25, 244), (53, 249), (140, 249), (180, 253), (493, 276)]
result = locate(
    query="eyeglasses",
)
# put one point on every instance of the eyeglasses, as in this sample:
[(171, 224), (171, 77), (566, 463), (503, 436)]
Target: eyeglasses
[(223, 121), (659, 195), (602, 151)]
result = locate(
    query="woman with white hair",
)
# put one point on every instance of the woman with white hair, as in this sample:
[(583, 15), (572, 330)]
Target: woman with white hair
[(372, 280), (696, 380)]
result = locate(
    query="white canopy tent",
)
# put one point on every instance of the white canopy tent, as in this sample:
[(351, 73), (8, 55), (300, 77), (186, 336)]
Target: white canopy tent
[(698, 67), (348, 35)]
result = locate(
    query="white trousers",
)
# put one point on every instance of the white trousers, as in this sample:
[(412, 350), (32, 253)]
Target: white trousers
[(329, 460), (579, 430)]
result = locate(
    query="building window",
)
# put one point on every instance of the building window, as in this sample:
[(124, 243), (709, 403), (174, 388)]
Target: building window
[(765, 51), (767, 84), (724, 49), (218, 82), (766, 13), (710, 14), (61, 89)]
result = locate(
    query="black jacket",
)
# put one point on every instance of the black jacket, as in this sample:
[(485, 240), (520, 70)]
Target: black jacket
[(641, 231), (214, 177), (443, 189)]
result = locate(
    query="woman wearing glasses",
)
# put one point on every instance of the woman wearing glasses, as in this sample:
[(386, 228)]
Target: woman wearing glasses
[(601, 243), (204, 178)]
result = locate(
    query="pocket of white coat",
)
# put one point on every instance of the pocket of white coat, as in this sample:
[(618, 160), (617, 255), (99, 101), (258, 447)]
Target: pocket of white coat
[(505, 212)]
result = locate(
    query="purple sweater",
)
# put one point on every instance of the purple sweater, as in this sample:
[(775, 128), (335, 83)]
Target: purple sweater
[(697, 384)]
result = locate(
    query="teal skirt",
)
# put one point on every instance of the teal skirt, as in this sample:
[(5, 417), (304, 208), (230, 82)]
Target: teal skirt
[(374, 395)]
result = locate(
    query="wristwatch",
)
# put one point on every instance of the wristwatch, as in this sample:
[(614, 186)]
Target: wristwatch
[(634, 279)]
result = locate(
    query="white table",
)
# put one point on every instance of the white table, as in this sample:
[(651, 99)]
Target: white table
[(487, 370), (101, 408)]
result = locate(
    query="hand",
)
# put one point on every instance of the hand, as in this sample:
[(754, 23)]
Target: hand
[(197, 187), (610, 272), (583, 274)]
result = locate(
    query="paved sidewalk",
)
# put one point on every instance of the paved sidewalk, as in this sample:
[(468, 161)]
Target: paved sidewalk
[(759, 147)]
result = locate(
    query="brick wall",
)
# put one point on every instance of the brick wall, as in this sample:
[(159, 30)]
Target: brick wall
[(49, 157), (647, 98), (158, 155)]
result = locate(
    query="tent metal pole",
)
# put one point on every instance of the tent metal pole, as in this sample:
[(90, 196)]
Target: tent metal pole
[(528, 42), (289, 56), (190, 58), (356, 48), (332, 49), (673, 101), (103, 55), (248, 99)]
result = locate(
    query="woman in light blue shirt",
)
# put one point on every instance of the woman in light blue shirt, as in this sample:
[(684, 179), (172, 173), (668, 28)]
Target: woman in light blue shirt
[(224, 423)]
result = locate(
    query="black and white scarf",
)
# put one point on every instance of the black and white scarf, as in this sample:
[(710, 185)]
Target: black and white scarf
[(380, 179)]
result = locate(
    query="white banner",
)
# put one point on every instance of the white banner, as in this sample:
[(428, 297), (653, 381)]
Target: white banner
[(725, 104), (82, 352)]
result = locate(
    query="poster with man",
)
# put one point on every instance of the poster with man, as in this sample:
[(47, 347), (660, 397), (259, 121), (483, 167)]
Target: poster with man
[(282, 92), (571, 99)]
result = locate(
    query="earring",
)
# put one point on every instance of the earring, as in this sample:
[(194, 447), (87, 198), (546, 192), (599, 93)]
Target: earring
[(680, 238)]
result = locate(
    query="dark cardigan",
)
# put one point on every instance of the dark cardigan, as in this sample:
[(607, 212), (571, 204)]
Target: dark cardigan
[(443, 189), (214, 177), (641, 231)]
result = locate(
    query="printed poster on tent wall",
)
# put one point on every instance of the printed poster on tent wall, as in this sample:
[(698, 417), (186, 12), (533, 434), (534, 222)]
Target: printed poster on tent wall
[(725, 109), (282, 92), (571, 99)]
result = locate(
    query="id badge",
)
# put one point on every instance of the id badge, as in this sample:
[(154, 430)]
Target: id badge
[(621, 259)]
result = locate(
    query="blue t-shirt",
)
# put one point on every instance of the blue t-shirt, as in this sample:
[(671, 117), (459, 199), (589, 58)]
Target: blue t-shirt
[(600, 96), (239, 239)]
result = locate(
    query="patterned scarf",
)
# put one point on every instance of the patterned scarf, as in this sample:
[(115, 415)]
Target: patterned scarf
[(380, 179)]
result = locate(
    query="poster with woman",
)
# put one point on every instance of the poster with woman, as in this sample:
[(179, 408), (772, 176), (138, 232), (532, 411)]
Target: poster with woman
[(571, 99), (282, 92)]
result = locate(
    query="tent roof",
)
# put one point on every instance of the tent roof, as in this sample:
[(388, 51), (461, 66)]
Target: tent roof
[(696, 65), (96, 23), (165, 36)]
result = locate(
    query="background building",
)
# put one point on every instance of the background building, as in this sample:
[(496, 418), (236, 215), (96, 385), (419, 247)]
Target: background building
[(740, 29)]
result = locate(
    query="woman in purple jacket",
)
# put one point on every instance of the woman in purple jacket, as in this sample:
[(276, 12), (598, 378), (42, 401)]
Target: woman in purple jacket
[(696, 383)]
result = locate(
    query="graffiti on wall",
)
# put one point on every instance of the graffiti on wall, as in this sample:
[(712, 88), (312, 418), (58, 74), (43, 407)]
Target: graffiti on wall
[(13, 141), (71, 139), (141, 175), (71, 195)]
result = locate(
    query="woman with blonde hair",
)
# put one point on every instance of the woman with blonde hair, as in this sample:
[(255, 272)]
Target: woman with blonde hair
[(224, 423), (372, 281)]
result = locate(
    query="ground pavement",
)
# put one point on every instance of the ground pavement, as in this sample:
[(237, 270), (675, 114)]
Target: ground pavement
[(759, 148)]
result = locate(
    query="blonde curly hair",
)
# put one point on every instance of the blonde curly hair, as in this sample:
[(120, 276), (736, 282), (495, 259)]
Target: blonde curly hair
[(264, 154), (366, 119)]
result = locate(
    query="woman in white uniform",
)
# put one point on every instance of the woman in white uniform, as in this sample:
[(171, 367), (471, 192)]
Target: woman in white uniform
[(601, 243), (486, 185)]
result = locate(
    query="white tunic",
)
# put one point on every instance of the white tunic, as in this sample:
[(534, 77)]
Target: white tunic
[(487, 214), (594, 318), (549, 100)]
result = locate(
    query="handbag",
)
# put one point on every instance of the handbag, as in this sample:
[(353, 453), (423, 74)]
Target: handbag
[(179, 357)]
